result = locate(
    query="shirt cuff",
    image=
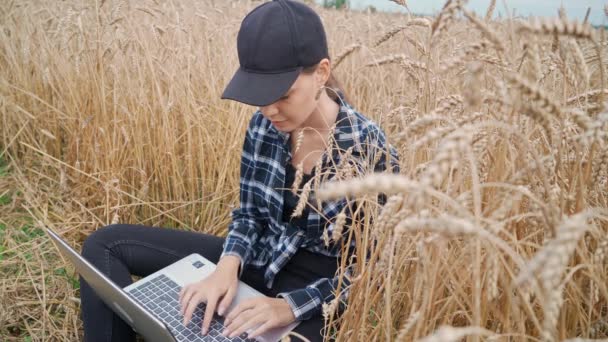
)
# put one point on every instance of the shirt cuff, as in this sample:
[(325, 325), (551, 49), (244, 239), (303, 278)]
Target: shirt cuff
[(236, 248), (305, 303)]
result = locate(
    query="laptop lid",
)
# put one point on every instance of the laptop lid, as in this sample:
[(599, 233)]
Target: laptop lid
[(151, 328)]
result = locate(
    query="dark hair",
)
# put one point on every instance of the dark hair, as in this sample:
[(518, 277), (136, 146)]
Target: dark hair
[(332, 82)]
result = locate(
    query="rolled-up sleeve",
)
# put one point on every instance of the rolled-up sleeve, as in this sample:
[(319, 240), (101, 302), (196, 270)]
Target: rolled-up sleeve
[(246, 226)]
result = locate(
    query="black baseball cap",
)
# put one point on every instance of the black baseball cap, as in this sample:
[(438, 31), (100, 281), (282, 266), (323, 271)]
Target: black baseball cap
[(275, 42)]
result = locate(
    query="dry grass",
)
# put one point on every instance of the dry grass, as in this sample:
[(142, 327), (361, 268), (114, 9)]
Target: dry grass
[(494, 230)]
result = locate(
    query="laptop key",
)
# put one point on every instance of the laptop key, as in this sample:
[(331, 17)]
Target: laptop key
[(222, 338), (173, 295)]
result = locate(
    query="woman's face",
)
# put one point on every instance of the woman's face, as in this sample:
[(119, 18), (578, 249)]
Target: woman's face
[(295, 107)]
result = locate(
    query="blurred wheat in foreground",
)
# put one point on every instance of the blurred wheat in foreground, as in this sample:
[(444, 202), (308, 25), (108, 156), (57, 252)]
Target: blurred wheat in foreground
[(496, 228)]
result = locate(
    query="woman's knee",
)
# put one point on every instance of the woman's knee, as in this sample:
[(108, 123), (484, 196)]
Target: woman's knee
[(98, 240)]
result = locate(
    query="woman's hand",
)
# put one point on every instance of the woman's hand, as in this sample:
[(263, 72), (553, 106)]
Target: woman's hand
[(221, 284), (266, 312)]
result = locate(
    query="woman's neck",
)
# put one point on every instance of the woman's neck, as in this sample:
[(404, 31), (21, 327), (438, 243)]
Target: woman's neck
[(322, 118), (315, 137)]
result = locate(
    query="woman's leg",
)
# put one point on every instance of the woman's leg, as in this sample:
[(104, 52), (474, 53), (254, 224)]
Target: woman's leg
[(122, 250)]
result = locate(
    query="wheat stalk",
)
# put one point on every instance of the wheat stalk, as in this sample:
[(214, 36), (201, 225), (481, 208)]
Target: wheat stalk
[(371, 184), (444, 224), (298, 178), (399, 59), (299, 141), (453, 334), (338, 228), (587, 95), (345, 53), (400, 2), (466, 53), (536, 93), (551, 260), (552, 304), (388, 35), (486, 30), (407, 326), (422, 22), (490, 10), (444, 18), (558, 26), (303, 201)]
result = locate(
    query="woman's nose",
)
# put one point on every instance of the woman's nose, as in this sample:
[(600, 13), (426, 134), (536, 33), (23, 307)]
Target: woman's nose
[(269, 111)]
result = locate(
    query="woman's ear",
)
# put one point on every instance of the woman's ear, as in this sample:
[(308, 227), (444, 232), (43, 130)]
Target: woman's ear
[(323, 71)]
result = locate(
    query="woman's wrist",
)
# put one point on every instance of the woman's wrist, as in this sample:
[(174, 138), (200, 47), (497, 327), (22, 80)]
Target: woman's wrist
[(231, 262)]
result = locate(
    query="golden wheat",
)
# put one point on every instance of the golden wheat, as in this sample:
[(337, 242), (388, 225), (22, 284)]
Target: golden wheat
[(493, 230)]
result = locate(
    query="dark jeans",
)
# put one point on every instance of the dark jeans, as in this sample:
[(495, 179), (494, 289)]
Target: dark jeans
[(122, 250)]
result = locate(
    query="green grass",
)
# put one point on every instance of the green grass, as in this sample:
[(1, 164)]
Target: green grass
[(22, 236), (29, 231), (70, 276), (3, 167), (6, 198), (19, 236), (22, 232), (2, 235)]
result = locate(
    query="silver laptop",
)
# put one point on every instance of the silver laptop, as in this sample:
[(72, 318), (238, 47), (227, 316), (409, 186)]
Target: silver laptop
[(151, 305)]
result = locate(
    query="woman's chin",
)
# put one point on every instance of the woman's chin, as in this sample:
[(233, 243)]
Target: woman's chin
[(283, 126)]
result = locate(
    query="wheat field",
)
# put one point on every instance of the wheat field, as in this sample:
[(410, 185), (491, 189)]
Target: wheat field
[(495, 229)]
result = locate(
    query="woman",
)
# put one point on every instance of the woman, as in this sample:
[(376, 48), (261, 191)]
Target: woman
[(273, 245)]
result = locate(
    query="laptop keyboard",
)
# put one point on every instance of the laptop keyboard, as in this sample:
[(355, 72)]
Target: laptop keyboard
[(160, 296)]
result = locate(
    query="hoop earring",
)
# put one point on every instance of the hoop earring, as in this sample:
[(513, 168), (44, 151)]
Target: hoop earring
[(318, 95)]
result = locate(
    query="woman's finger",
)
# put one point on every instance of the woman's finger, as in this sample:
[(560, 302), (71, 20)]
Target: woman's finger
[(185, 298), (244, 305), (261, 329), (239, 321), (209, 311), (181, 301), (180, 298), (227, 300), (191, 306), (254, 318)]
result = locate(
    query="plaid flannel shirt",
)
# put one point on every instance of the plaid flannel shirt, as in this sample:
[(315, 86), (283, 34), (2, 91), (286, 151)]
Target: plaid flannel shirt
[(259, 236)]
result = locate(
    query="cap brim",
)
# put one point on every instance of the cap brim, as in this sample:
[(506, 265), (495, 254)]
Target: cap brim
[(259, 89)]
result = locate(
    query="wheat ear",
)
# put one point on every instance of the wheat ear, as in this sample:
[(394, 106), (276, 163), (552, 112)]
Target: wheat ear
[(345, 53), (370, 184)]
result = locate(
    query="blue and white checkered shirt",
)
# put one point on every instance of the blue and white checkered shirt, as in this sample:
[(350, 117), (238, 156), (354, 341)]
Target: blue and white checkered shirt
[(259, 236)]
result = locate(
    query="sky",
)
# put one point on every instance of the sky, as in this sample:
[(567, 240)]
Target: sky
[(544, 8)]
